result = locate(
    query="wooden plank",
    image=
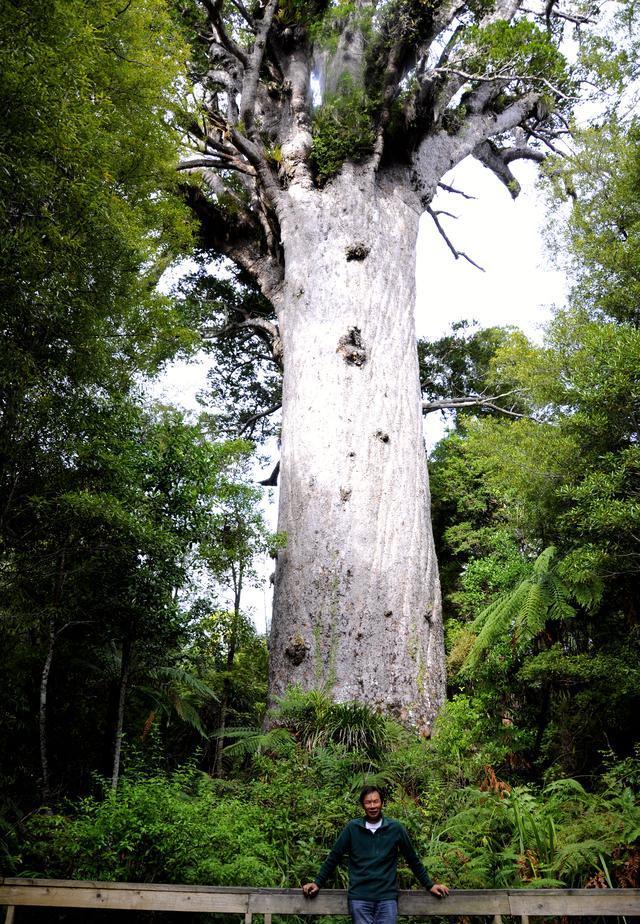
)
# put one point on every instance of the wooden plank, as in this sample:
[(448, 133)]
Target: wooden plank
[(467, 902), (9, 916), (137, 899), (134, 886), (521, 903), (292, 901), (574, 902)]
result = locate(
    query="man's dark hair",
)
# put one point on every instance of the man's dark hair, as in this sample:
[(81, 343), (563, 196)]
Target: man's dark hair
[(367, 790)]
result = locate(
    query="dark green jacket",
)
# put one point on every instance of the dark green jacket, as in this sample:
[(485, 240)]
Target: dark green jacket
[(373, 859)]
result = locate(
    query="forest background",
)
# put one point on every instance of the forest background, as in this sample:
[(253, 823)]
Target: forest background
[(132, 699)]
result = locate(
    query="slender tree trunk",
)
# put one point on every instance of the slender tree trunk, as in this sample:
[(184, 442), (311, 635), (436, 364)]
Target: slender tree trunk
[(122, 694), (226, 683), (44, 678), (44, 695), (357, 606)]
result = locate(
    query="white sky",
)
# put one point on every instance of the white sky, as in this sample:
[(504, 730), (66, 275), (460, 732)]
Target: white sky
[(518, 287)]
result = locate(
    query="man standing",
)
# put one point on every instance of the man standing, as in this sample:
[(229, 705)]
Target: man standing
[(373, 843)]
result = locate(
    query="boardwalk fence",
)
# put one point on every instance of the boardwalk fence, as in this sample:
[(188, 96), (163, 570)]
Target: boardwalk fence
[(247, 902)]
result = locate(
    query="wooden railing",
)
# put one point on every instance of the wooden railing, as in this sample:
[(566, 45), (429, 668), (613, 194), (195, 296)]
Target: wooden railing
[(521, 903)]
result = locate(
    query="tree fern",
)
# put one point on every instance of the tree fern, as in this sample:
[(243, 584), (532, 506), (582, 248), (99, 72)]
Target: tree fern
[(521, 613), (176, 689)]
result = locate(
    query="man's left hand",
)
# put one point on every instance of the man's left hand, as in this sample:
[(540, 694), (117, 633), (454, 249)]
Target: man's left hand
[(440, 891)]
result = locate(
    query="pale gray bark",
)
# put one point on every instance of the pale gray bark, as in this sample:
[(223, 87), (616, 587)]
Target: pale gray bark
[(357, 601), (42, 724), (125, 667)]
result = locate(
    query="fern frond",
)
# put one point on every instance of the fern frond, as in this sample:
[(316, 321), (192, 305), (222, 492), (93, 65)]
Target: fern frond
[(250, 741), (531, 617), (496, 621), (189, 714), (543, 562), (188, 680)]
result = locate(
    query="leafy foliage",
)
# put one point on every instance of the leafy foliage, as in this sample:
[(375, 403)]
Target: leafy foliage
[(555, 654), (343, 129), (522, 614), (244, 378)]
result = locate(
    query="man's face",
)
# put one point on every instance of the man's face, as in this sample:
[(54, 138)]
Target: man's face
[(372, 804)]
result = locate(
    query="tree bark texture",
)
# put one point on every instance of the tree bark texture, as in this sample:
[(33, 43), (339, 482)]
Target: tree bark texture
[(357, 603), (357, 600)]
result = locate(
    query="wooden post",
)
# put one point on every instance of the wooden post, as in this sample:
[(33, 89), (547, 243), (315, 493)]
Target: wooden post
[(247, 917), (10, 915), (524, 919), (267, 917), (497, 919)]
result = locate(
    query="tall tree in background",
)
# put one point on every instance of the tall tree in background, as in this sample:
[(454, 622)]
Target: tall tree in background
[(538, 518), (324, 133)]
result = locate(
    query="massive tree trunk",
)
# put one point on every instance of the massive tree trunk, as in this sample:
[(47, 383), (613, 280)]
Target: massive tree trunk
[(414, 89), (357, 600)]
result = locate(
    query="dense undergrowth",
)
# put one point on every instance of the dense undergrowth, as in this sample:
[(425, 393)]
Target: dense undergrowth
[(288, 792)]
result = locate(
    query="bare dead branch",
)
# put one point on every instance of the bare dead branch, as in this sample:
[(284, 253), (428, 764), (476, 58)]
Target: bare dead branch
[(456, 253), (221, 163), (457, 192), (443, 404), (576, 18), (504, 76)]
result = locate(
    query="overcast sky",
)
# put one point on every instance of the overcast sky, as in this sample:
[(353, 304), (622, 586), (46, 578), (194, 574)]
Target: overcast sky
[(518, 287)]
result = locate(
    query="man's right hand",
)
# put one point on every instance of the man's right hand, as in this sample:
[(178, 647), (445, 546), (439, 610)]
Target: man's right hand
[(310, 889), (440, 891)]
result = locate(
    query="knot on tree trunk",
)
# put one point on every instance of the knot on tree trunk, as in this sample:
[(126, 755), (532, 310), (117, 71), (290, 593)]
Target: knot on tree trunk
[(297, 649), (351, 347), (357, 251)]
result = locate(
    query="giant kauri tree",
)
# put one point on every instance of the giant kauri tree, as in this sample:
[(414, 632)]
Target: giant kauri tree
[(324, 132)]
